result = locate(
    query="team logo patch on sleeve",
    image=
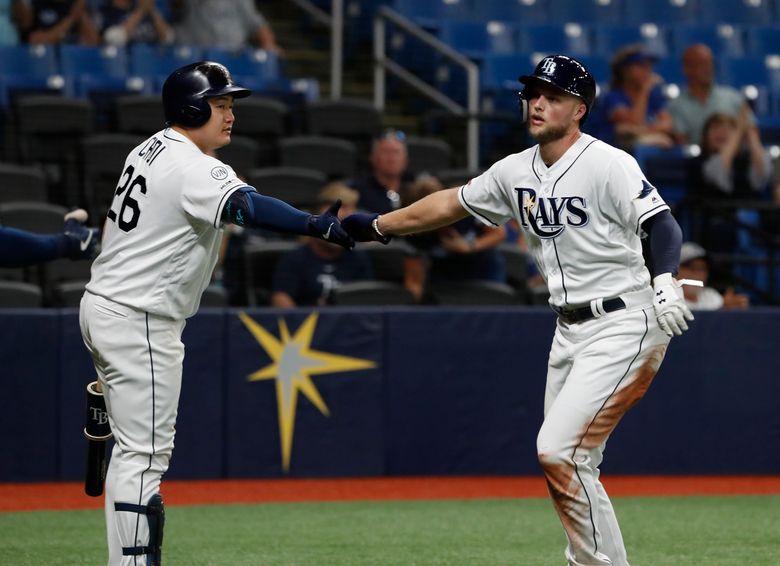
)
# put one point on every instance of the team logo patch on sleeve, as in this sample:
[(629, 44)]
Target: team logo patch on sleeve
[(219, 173), (647, 188)]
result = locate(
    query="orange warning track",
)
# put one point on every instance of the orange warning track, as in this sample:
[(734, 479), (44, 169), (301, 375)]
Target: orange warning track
[(37, 496)]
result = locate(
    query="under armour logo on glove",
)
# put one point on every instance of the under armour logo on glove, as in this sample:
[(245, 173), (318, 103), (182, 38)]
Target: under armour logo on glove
[(670, 308)]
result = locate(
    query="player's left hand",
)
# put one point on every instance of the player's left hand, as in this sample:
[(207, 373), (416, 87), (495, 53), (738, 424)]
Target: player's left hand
[(669, 304), (326, 226), (80, 241)]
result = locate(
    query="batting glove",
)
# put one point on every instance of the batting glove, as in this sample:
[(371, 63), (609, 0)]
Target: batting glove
[(363, 227), (79, 241), (326, 226), (669, 304)]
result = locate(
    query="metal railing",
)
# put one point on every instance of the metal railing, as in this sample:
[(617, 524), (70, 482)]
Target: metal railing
[(383, 65), (334, 21)]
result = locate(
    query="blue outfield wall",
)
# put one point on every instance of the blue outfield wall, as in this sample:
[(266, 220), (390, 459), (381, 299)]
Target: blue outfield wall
[(411, 391)]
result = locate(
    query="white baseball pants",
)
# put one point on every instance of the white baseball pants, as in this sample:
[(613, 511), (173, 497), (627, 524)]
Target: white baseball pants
[(597, 370), (138, 358)]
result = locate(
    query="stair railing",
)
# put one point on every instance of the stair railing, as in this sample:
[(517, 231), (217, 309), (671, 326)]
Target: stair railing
[(334, 21)]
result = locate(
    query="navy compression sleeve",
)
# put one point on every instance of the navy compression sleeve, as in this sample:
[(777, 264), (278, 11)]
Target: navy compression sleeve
[(247, 207), (664, 239), (21, 249)]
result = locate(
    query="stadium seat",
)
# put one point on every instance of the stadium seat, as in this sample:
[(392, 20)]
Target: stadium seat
[(140, 114), (666, 169), (103, 157), (256, 63), (295, 185), (241, 154), (527, 12), (587, 11), (159, 61), (17, 294), (516, 262), (265, 121), (428, 154), (354, 119), (661, 12), (260, 260), (64, 281), (473, 293), (214, 296), (670, 68), (753, 76), (387, 260), (371, 293), (723, 39), (496, 70), (68, 294), (38, 217), (28, 69), (334, 157), (608, 39), (735, 11), (107, 61), (431, 13), (475, 38), (22, 183), (762, 40), (571, 38)]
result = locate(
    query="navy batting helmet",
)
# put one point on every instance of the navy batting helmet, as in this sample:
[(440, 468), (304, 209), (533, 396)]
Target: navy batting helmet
[(563, 73), (187, 89)]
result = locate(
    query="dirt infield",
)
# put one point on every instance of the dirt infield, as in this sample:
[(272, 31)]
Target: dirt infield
[(54, 496)]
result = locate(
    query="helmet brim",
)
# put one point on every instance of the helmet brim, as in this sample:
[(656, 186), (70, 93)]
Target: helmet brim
[(233, 90)]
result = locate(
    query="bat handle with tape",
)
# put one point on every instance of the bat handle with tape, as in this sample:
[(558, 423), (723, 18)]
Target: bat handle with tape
[(98, 432)]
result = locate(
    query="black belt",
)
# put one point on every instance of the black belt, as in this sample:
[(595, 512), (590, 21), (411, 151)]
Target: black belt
[(572, 316)]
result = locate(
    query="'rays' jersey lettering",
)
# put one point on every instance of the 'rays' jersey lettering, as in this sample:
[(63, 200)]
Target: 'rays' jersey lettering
[(163, 229), (581, 217)]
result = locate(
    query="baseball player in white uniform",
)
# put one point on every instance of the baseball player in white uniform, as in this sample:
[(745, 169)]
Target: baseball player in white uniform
[(583, 207), (160, 245)]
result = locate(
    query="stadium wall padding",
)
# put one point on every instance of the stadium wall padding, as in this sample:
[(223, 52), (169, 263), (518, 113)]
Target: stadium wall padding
[(402, 391)]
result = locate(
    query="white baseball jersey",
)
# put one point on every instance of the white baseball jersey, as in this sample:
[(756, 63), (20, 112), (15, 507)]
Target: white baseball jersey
[(581, 217), (163, 231)]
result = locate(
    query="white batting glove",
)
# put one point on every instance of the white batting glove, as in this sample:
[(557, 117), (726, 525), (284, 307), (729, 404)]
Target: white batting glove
[(670, 308)]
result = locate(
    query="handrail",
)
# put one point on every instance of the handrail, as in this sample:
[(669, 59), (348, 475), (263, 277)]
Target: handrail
[(334, 21), (382, 65)]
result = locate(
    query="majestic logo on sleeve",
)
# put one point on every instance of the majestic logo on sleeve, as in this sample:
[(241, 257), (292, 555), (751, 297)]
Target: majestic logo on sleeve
[(548, 216)]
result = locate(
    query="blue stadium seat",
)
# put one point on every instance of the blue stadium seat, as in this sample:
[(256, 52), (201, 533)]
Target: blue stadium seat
[(597, 66), (571, 38), (475, 39), (158, 61), (431, 13), (587, 11), (107, 61), (528, 12), (666, 169), (26, 69), (758, 76), (762, 39), (723, 39), (670, 68), (607, 39), (255, 62), (735, 11), (497, 70), (660, 11)]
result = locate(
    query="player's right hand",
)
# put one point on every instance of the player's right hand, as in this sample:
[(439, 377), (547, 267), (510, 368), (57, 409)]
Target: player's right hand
[(326, 226), (361, 227), (81, 242), (669, 304)]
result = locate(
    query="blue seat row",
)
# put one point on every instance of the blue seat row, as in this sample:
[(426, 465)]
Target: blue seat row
[(434, 12), (475, 38), (77, 70)]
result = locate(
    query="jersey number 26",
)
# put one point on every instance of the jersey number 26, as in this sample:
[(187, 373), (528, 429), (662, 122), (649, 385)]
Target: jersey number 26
[(128, 202)]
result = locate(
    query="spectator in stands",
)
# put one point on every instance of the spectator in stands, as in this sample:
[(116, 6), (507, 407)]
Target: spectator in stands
[(224, 24), (309, 274), (694, 264), (20, 248), (15, 15), (127, 21), (732, 165), (702, 97), (466, 250), (380, 191), (61, 21), (633, 112)]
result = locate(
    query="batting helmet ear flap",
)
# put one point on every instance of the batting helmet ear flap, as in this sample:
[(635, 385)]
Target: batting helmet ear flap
[(523, 107)]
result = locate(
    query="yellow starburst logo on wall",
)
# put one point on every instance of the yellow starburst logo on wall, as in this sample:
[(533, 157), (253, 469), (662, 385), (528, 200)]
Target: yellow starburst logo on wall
[(293, 363)]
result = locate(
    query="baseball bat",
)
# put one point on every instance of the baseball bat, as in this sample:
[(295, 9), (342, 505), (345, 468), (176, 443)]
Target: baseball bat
[(97, 431)]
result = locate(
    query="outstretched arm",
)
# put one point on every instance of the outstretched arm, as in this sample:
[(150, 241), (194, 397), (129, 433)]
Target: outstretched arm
[(434, 211), (247, 207)]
